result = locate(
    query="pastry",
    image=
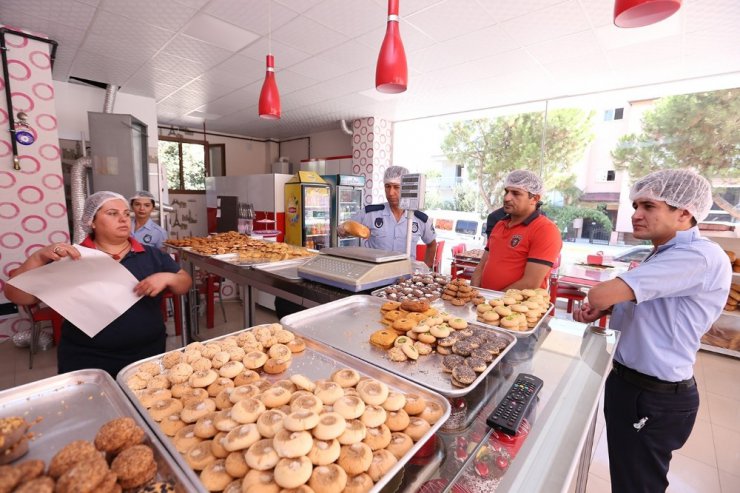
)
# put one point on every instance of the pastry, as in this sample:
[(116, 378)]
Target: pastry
[(83, 477), (261, 455), (135, 466), (293, 472), (400, 444), (355, 458), (71, 454), (382, 462), (324, 452), (200, 455), (328, 479), (214, 476), (331, 425), (292, 443)]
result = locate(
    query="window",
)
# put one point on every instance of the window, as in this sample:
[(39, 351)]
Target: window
[(613, 114), (185, 162), (466, 227), (611, 175)]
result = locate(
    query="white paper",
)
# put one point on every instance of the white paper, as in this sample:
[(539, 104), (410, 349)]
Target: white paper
[(90, 292)]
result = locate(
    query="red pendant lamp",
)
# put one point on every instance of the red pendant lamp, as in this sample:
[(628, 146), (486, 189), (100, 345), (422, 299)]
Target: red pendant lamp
[(269, 106), (392, 73), (640, 13)]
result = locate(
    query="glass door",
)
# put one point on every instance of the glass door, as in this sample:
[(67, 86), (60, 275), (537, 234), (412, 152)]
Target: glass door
[(316, 216), (349, 201)]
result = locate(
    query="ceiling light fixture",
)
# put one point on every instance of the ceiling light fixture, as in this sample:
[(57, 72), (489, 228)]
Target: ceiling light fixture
[(269, 106), (640, 13), (392, 73)]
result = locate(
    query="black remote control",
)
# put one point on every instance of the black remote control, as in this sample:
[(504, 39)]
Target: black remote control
[(509, 413)]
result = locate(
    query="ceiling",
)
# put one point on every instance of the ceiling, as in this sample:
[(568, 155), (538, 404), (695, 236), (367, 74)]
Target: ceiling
[(204, 60)]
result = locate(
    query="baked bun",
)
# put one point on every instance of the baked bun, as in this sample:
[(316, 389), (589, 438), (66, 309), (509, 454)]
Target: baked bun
[(353, 228), (732, 256)]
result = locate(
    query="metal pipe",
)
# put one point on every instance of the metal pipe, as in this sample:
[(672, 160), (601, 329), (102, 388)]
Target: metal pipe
[(345, 128), (110, 98)]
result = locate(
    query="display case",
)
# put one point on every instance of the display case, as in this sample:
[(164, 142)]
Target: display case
[(307, 211), (724, 335)]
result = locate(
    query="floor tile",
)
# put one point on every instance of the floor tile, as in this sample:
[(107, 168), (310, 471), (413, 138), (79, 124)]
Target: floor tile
[(687, 475), (700, 445), (724, 411), (600, 460), (729, 483), (598, 485), (727, 448)]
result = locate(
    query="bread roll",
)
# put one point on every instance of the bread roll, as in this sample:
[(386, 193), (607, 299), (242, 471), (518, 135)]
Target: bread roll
[(731, 254), (734, 295), (353, 228)]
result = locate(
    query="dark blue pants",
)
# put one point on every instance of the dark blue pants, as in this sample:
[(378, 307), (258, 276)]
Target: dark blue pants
[(639, 459)]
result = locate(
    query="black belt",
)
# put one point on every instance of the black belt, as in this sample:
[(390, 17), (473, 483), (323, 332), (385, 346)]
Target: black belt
[(653, 384)]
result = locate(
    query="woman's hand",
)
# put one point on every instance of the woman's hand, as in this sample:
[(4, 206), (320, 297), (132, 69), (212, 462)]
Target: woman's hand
[(57, 251), (154, 284), (588, 314)]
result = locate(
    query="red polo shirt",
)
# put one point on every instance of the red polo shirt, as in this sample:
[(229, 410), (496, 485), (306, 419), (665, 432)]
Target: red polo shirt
[(536, 239)]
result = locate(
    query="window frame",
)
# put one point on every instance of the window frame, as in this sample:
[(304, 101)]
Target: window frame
[(206, 161)]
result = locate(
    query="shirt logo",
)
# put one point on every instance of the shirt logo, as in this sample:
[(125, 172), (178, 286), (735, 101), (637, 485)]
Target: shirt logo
[(378, 222), (415, 227), (147, 238), (515, 240)]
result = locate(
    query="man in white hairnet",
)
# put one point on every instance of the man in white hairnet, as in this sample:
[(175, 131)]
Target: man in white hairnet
[(387, 222), (523, 245), (143, 228), (662, 308)]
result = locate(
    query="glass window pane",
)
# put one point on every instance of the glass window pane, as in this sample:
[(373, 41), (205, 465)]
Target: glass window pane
[(193, 166), (170, 159)]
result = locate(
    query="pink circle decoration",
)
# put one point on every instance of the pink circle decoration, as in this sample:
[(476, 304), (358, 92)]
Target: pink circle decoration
[(5, 148), (46, 122), (356, 123), (363, 146), (33, 224), (20, 96), (368, 199), (370, 137), (30, 194), (371, 121), (369, 168), (356, 153), (58, 236), (356, 139), (7, 179), (17, 70), (10, 266), (356, 168), (31, 249), (39, 59), (370, 153), (363, 161), (369, 182), (11, 240), (382, 138), (9, 210), (53, 181), (382, 123), (10, 40), (227, 290), (43, 91), (55, 210), (20, 324), (27, 160), (50, 152), (3, 113), (363, 130)]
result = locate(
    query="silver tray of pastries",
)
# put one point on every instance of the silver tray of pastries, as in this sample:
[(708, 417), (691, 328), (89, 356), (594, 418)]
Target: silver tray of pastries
[(428, 286), (249, 423), (349, 324), (72, 407)]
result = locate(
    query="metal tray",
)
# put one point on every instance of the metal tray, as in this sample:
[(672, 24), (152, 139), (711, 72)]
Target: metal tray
[(347, 324), (317, 361), (285, 269), (73, 406)]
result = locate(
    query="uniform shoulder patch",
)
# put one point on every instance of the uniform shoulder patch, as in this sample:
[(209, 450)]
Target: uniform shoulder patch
[(421, 216), (374, 208)]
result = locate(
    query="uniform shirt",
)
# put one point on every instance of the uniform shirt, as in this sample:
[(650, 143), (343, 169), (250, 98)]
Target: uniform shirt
[(151, 234), (536, 239), (138, 333), (491, 221), (388, 234), (679, 292)]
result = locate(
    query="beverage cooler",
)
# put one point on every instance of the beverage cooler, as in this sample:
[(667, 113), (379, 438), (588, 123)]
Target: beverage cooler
[(346, 199), (308, 211)]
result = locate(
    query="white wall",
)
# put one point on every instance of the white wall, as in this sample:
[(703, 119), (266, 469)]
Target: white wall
[(325, 144)]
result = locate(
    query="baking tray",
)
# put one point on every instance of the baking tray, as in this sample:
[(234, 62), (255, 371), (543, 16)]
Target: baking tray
[(347, 324), (285, 269), (73, 406), (317, 361)]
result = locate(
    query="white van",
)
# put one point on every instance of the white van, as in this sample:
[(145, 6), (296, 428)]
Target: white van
[(454, 228)]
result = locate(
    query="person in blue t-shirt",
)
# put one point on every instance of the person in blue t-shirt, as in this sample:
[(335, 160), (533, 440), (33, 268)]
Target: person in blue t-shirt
[(146, 231)]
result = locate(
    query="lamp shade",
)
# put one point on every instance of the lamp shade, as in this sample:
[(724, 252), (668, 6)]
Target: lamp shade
[(640, 13), (269, 106), (391, 72)]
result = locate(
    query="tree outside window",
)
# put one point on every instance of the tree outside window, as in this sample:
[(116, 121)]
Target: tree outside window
[(185, 163)]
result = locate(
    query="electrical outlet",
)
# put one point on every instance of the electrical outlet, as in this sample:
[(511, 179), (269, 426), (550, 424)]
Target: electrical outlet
[(8, 309)]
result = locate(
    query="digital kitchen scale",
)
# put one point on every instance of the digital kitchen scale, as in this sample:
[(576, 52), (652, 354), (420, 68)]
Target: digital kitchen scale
[(356, 268)]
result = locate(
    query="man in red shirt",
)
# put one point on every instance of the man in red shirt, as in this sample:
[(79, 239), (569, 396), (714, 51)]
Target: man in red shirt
[(523, 246)]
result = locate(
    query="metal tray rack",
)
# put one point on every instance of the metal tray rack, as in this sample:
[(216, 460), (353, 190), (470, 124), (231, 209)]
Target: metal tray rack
[(347, 324), (73, 406), (284, 269), (316, 362)]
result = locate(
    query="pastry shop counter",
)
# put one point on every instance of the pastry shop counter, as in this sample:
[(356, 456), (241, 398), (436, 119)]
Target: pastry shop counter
[(553, 447)]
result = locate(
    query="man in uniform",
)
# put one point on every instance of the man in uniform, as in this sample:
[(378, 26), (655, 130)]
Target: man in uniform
[(146, 231), (388, 223), (524, 245), (662, 308)]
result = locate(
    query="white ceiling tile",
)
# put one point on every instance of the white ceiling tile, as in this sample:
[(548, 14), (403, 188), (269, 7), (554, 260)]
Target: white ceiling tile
[(288, 81), (600, 13), (68, 13), (166, 14), (230, 103), (318, 69), (550, 23), (162, 76), (612, 37), (285, 55), (711, 14), (98, 67), (299, 5), (307, 35), (233, 80), (350, 55), (244, 66), (503, 10), (636, 57), (219, 33), (202, 53), (251, 14), (364, 16), (568, 47), (175, 64), (193, 4), (450, 19), (413, 39)]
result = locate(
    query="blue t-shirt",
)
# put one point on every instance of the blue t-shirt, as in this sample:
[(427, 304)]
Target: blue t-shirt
[(151, 234)]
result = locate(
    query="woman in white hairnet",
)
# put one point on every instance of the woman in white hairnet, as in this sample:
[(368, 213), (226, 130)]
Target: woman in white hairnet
[(140, 331), (662, 308), (143, 228)]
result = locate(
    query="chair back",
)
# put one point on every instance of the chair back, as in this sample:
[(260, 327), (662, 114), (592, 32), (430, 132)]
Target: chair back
[(458, 249), (438, 256)]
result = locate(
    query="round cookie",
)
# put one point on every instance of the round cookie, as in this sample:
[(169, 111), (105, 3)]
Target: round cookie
[(261, 455), (293, 472), (214, 477), (135, 466), (355, 458), (324, 452), (328, 479)]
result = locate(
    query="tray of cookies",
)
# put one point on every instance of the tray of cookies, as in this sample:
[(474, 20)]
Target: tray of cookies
[(81, 433), (265, 409), (519, 312), (446, 354)]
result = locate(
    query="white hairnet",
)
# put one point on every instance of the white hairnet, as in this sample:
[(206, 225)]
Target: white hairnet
[(525, 180), (679, 188), (93, 203), (142, 194), (393, 174)]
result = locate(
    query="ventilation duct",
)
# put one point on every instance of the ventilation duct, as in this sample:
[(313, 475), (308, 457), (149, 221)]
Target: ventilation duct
[(345, 128)]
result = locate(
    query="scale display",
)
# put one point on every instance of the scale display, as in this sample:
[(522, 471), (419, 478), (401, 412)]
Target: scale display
[(412, 191)]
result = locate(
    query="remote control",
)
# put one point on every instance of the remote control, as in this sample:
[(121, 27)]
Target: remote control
[(509, 413)]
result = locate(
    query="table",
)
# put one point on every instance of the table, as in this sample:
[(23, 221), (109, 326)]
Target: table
[(587, 276)]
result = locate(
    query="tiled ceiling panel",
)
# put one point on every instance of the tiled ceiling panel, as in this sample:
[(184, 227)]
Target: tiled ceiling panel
[(462, 54)]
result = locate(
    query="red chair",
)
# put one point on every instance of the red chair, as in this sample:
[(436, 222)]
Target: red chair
[(421, 251), (208, 285), (571, 289)]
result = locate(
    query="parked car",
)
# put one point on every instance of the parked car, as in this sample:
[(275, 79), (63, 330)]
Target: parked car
[(634, 254)]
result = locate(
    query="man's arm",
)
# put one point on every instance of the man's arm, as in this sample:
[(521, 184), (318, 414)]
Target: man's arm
[(607, 294), (534, 275), (430, 253), (478, 272)]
